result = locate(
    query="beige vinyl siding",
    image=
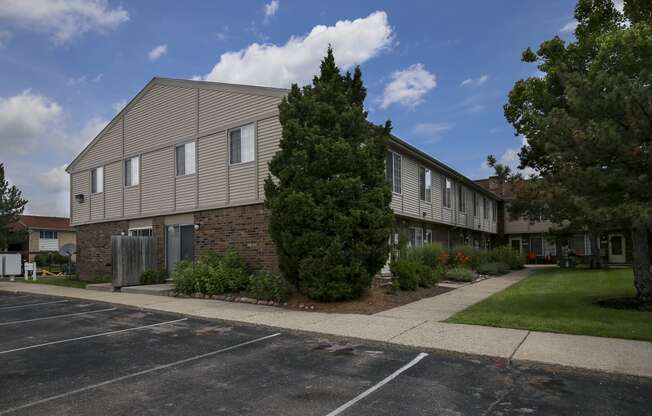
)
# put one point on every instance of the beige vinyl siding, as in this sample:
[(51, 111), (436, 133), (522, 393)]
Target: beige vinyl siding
[(97, 206), (81, 184), (157, 181), (269, 136), (212, 170), (132, 201), (242, 182), (163, 116), (436, 197), (113, 189), (107, 147), (219, 109), (410, 186), (186, 192)]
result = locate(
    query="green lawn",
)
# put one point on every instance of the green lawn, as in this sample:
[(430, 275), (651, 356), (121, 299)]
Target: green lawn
[(57, 281), (558, 300)]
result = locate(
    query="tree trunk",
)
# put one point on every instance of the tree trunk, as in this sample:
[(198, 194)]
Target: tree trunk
[(596, 260), (641, 263)]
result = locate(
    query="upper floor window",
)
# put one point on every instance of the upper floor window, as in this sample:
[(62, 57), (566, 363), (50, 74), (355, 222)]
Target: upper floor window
[(425, 184), (48, 235), (494, 209), (446, 192), (461, 201), (132, 171), (475, 204), (97, 180), (241, 144), (186, 159), (393, 171), (485, 208)]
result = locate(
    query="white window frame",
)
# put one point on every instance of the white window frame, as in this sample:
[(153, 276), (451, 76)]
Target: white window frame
[(447, 186), (247, 154), (134, 178), (53, 235), (395, 181), (135, 231), (461, 198), (426, 185), (189, 159), (485, 210), (418, 236), (97, 180)]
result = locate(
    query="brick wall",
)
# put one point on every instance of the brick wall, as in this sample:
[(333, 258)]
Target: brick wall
[(243, 228), (94, 248)]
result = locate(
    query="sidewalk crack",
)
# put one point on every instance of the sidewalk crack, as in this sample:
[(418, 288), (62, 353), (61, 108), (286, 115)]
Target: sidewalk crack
[(511, 357), (407, 330)]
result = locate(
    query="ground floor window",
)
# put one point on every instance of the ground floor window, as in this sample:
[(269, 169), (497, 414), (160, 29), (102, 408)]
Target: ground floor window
[(140, 232), (416, 237)]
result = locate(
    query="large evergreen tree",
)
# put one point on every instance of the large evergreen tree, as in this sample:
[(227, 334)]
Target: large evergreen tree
[(588, 121), (12, 205), (328, 197)]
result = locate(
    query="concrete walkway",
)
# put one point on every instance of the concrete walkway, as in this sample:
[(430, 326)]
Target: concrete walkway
[(416, 325)]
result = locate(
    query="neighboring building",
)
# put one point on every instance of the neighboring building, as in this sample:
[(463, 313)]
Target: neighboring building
[(533, 238), (185, 162), (43, 235)]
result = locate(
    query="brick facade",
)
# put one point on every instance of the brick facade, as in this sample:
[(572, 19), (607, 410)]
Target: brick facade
[(243, 228)]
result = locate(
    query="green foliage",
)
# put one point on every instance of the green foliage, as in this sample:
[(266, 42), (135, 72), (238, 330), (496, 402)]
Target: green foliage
[(431, 255), (212, 275), (184, 277), (268, 286), (46, 259), (464, 255), (493, 269), (410, 274), (329, 198), (507, 255), (153, 277), (460, 274), (12, 206)]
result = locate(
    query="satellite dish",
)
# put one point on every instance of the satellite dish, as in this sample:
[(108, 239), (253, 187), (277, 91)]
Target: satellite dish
[(68, 249)]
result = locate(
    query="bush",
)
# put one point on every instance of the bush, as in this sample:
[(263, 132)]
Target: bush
[(47, 259), (493, 269), (507, 255), (212, 275), (153, 277), (184, 277), (268, 286), (406, 273), (431, 255), (460, 274)]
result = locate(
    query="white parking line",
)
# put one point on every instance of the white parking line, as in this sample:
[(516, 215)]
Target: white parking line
[(32, 304), (367, 392), (139, 373), (91, 336), (55, 316)]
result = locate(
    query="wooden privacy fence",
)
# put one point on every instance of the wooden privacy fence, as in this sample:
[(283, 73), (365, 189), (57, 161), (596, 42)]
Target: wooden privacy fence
[(131, 257)]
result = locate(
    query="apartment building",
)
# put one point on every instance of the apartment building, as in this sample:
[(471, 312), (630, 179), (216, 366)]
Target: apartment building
[(185, 161)]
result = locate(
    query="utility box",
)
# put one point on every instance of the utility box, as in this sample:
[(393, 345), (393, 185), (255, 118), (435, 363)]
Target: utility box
[(10, 264)]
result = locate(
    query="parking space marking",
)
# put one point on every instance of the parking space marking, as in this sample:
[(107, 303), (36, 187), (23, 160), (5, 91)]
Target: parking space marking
[(56, 316), (370, 390), (136, 374), (45, 344), (32, 304)]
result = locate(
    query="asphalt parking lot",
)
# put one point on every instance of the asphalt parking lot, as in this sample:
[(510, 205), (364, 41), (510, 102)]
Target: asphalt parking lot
[(69, 357)]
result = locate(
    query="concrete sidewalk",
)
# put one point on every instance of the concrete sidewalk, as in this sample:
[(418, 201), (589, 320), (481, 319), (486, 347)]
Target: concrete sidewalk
[(410, 325)]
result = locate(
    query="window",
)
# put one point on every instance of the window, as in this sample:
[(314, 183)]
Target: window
[(485, 208), (427, 236), (393, 171), (425, 184), (446, 193), (460, 199), (132, 171), (241, 144), (475, 204), (48, 235), (493, 211), (186, 159), (416, 237), (97, 180), (140, 232)]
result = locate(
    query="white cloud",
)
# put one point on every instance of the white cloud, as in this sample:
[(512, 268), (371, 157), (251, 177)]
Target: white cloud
[(5, 37), (569, 27), (408, 86), (471, 82), (271, 8), (64, 20), (75, 81), (25, 119), (354, 42), (431, 129), (223, 34), (54, 180), (119, 105), (98, 77), (157, 52)]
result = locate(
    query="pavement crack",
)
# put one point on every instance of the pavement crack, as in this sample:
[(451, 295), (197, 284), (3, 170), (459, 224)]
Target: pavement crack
[(511, 357), (407, 330)]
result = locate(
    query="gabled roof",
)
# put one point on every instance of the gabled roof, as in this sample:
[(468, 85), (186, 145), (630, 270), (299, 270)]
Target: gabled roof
[(207, 85), (37, 222)]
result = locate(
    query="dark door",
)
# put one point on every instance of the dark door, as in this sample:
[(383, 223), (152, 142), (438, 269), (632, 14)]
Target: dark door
[(178, 243)]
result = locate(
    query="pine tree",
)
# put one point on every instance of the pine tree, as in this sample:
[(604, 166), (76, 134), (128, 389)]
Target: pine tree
[(12, 205), (328, 197)]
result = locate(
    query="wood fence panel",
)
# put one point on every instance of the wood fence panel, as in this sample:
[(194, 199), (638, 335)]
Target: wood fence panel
[(131, 257)]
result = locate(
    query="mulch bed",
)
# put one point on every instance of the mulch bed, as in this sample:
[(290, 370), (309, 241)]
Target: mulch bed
[(376, 300), (625, 303)]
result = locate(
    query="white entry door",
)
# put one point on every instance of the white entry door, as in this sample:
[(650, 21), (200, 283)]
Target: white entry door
[(617, 249)]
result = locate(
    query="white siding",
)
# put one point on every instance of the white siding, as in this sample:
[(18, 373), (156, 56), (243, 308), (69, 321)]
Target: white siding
[(157, 184), (241, 178), (220, 109), (212, 171), (186, 192), (108, 147), (113, 189), (269, 136), (81, 184), (97, 206)]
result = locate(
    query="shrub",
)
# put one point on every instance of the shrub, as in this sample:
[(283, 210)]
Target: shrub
[(268, 286), (468, 256), (460, 274), (406, 273), (153, 277), (507, 255), (429, 254), (212, 275), (493, 269), (184, 277)]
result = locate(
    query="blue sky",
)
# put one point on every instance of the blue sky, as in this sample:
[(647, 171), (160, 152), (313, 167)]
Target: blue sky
[(439, 70)]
